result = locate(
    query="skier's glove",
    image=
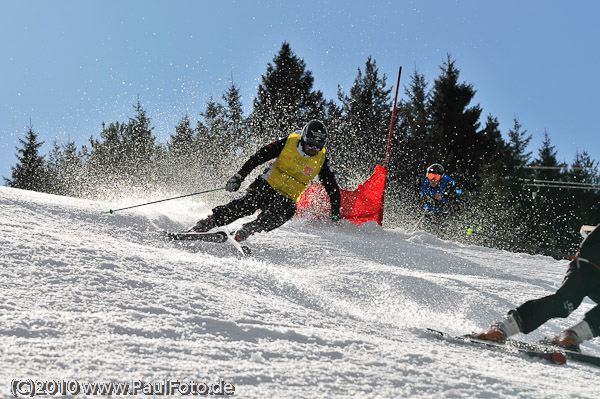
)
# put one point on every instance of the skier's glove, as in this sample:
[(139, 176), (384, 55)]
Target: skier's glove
[(233, 184)]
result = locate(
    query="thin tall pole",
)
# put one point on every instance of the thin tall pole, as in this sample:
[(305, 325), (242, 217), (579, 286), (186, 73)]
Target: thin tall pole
[(389, 147)]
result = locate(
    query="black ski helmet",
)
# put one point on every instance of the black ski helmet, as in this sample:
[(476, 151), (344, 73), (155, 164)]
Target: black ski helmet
[(436, 168), (314, 134)]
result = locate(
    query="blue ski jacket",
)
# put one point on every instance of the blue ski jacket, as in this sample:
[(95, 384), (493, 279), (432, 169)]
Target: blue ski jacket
[(446, 189)]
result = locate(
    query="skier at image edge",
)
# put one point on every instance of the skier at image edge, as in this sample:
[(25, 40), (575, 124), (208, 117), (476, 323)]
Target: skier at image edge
[(582, 279), (438, 190), (299, 158)]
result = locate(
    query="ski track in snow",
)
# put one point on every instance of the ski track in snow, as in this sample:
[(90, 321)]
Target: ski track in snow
[(320, 310)]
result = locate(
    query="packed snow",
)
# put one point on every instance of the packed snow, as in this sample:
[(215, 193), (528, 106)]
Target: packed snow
[(321, 309)]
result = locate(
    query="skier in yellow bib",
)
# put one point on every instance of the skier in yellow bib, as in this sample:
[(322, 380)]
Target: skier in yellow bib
[(299, 158)]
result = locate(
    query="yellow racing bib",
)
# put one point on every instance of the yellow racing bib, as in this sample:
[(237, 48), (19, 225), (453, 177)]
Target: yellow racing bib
[(292, 172)]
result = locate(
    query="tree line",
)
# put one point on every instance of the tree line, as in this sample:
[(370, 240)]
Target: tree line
[(510, 195)]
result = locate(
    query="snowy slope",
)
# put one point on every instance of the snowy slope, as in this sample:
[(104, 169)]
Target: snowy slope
[(320, 310)]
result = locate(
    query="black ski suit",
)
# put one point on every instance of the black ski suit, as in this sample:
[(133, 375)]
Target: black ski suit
[(276, 209), (582, 279)]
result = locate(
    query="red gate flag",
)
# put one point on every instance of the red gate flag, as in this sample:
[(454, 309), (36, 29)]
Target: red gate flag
[(363, 204), (359, 206)]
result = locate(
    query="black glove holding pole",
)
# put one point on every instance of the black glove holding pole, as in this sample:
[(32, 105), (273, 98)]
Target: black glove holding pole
[(234, 182)]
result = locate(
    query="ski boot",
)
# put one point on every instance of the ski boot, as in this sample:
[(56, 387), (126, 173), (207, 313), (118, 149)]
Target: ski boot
[(246, 231), (568, 340), (495, 333), (204, 225), (499, 331)]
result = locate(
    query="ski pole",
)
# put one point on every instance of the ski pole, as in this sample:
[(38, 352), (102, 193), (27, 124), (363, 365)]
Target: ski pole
[(111, 211), (418, 223)]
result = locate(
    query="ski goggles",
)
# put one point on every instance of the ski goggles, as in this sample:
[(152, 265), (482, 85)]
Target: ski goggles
[(434, 176)]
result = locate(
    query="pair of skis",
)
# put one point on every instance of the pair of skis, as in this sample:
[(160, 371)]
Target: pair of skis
[(216, 237), (541, 351)]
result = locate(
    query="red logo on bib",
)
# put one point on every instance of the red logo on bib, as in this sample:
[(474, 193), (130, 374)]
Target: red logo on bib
[(308, 170)]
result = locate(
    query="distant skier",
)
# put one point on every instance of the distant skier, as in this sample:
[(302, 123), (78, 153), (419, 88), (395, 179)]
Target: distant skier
[(582, 279), (299, 158), (438, 190)]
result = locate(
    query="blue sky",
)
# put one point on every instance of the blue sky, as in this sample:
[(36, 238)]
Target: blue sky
[(70, 65)]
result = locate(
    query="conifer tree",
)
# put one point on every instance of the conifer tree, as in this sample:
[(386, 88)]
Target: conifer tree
[(179, 168), (216, 127), (285, 100), (516, 174), (125, 156), (547, 168), (138, 140), (333, 120), (491, 203), (587, 200), (492, 146), (235, 124), (212, 142), (552, 214), (366, 115), (65, 170), (139, 147), (584, 169), (413, 143), (455, 126), (106, 159), (181, 145), (53, 166), (517, 156), (29, 172)]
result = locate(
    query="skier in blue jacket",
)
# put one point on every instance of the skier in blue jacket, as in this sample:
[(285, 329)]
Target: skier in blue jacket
[(438, 190)]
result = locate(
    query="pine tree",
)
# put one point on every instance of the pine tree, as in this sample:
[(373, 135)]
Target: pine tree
[(333, 120), (552, 214), (285, 100), (182, 144), (213, 143), (124, 158), (586, 201), (548, 169), (516, 174), (235, 124), (53, 166), (65, 170), (365, 128), (139, 146), (491, 203), (73, 169), (492, 146), (517, 156), (413, 143), (216, 127), (179, 167), (457, 143), (29, 172), (106, 160), (584, 169), (140, 161)]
